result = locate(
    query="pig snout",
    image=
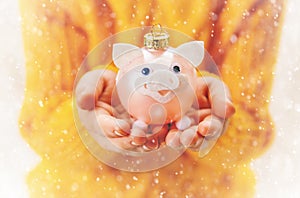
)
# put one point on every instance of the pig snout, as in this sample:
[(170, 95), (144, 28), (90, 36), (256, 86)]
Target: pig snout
[(162, 80)]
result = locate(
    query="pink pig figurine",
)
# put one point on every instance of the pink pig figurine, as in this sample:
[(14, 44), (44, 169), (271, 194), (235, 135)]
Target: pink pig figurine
[(157, 87)]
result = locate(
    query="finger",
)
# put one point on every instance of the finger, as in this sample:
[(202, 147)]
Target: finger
[(190, 138), (198, 115), (206, 146), (112, 127), (92, 85), (196, 145), (173, 139), (105, 107), (211, 127), (183, 123), (202, 93), (154, 141), (161, 135), (216, 129), (138, 136), (151, 144), (89, 120), (219, 97), (118, 144), (88, 88), (123, 142)]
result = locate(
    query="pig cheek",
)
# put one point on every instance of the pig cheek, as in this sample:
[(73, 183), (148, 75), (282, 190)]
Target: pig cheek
[(174, 110), (190, 75), (139, 105), (188, 85)]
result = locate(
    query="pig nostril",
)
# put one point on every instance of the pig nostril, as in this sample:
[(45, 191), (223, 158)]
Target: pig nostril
[(145, 86)]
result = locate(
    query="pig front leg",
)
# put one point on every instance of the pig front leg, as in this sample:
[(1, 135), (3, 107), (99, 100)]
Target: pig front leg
[(185, 134), (184, 123), (148, 137), (188, 120), (188, 131), (138, 132)]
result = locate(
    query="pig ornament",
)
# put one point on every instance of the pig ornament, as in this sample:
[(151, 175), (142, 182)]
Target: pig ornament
[(157, 87)]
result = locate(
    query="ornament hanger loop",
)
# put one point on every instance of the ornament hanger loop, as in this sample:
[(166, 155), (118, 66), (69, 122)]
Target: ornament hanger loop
[(157, 39), (156, 30)]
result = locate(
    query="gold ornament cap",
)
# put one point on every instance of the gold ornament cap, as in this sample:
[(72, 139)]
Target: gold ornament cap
[(156, 39)]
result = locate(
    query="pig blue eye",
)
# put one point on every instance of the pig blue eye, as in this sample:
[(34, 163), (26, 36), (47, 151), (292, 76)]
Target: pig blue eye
[(145, 71), (176, 68)]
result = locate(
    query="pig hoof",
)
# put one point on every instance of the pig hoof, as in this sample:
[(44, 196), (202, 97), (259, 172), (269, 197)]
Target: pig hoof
[(184, 123)]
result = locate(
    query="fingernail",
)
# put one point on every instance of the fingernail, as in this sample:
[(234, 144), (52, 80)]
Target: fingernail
[(146, 148), (118, 133), (139, 140), (188, 137), (152, 144), (203, 128), (174, 142), (195, 146), (122, 124), (138, 136), (134, 143)]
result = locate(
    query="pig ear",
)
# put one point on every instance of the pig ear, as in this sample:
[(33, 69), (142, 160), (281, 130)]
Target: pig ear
[(192, 51), (122, 53)]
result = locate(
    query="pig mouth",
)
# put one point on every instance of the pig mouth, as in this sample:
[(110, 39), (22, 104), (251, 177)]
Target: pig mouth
[(161, 94)]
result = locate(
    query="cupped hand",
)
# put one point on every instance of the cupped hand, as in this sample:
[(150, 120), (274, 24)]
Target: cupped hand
[(103, 116), (95, 94), (212, 111)]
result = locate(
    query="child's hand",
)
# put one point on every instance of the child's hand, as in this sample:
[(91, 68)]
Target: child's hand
[(94, 97), (213, 109)]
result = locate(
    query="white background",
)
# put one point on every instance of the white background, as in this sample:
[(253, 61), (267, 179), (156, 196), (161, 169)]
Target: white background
[(277, 171)]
